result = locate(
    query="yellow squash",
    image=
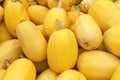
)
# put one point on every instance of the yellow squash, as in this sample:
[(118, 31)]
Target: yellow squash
[(116, 74), (66, 4), (48, 74), (105, 13), (50, 23), (42, 2), (9, 51), (2, 72), (111, 40), (14, 13), (71, 74), (37, 13), (4, 34), (20, 69), (1, 13), (88, 32), (85, 4), (97, 65), (62, 50), (42, 29), (32, 41)]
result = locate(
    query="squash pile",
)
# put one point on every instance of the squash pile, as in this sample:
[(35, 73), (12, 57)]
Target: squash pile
[(59, 39)]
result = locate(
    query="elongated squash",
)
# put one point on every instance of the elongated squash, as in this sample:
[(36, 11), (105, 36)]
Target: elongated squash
[(14, 13), (106, 13), (20, 69), (9, 51), (32, 41), (62, 50), (88, 32)]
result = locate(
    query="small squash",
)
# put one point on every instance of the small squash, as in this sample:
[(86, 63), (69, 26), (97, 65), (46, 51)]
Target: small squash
[(14, 13), (20, 69), (62, 49), (32, 41)]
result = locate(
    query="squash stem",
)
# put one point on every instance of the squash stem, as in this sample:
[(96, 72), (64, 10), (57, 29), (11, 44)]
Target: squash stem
[(60, 4), (60, 27)]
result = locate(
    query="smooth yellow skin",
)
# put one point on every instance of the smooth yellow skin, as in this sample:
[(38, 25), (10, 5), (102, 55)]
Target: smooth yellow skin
[(85, 4), (26, 3), (5, 3), (73, 15), (116, 74), (42, 2), (21, 69), (14, 13), (62, 49), (66, 4), (117, 3), (96, 64), (37, 13), (71, 75), (111, 13), (32, 2), (41, 66), (2, 72), (32, 41), (1, 13), (4, 34), (88, 32), (48, 74), (111, 40), (50, 23), (42, 29), (9, 51)]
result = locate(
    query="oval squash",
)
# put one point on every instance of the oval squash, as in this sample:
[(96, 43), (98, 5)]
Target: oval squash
[(14, 13), (20, 69), (32, 41), (88, 33), (62, 50)]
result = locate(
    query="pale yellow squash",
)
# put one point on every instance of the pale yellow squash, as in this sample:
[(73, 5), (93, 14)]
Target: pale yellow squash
[(32, 41), (105, 13), (116, 74), (66, 4), (88, 32), (42, 2), (97, 65), (50, 23), (20, 69), (71, 74), (4, 34), (37, 13), (2, 72), (48, 74), (62, 50), (13, 14), (111, 40), (85, 4), (10, 50)]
